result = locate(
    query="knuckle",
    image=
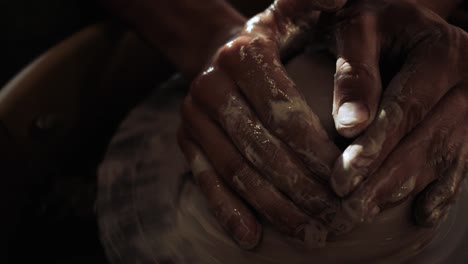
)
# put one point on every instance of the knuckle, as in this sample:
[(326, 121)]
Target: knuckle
[(281, 125), (242, 179), (245, 47), (444, 153), (440, 40), (271, 159), (259, 42), (400, 113), (237, 168), (349, 74), (350, 68), (417, 109), (232, 49), (266, 156), (261, 149), (293, 113)]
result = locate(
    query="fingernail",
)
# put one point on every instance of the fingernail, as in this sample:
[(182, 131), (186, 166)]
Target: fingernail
[(314, 235), (246, 237), (352, 113)]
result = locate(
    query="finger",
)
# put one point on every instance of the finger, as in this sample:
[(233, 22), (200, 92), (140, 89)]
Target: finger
[(419, 160), (432, 204), (255, 66), (429, 72), (246, 181), (230, 211), (269, 155), (357, 78)]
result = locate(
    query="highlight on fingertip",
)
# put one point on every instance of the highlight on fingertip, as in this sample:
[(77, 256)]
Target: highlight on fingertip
[(352, 114), (247, 238)]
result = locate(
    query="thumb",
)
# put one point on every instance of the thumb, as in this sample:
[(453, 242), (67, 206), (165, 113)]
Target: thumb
[(357, 80)]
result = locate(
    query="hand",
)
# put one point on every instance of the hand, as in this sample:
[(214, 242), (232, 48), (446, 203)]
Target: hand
[(417, 141), (250, 136)]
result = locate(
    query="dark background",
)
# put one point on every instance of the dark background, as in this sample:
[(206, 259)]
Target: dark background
[(29, 27), (59, 224)]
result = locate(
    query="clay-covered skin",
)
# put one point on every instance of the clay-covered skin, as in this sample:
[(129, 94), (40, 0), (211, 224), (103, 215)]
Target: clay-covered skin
[(151, 211), (357, 44), (246, 117), (245, 99), (258, 107), (418, 139)]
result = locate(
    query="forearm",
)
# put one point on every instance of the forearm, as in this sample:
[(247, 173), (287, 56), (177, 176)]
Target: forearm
[(186, 31)]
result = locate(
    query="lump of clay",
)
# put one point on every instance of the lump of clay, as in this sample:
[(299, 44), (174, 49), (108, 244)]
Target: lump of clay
[(150, 210)]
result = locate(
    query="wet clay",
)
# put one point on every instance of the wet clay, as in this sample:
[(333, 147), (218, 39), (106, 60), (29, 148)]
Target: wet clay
[(150, 210)]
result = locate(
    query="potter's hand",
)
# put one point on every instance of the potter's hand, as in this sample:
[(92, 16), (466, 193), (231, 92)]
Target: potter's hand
[(418, 140), (247, 131)]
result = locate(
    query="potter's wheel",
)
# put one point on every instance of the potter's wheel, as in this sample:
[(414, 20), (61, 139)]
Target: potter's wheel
[(150, 211)]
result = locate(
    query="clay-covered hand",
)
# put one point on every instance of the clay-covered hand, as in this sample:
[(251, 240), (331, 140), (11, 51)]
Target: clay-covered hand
[(417, 142), (250, 136)]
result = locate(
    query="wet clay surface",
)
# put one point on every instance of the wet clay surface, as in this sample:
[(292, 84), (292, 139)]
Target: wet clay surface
[(150, 210)]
